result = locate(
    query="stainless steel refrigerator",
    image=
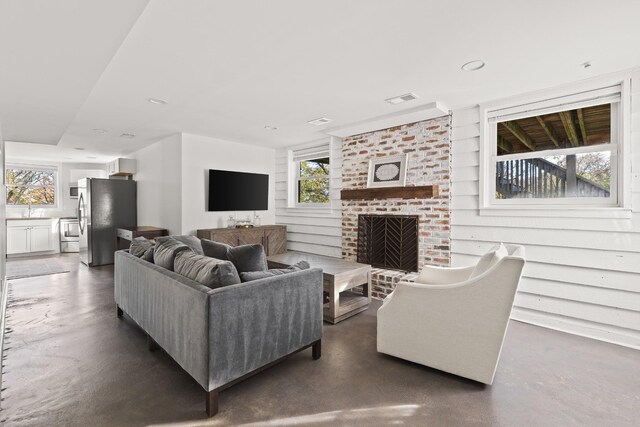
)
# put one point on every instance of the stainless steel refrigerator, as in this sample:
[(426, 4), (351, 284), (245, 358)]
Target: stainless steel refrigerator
[(103, 206)]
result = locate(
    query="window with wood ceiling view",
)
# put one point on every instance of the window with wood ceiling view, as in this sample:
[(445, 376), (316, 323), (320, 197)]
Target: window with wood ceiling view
[(565, 154)]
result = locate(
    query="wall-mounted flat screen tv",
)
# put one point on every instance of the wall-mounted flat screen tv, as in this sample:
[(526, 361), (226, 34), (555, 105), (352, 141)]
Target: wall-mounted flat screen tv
[(238, 191)]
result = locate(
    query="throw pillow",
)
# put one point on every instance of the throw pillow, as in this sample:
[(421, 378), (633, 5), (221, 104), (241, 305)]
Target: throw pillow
[(489, 259), (255, 275), (192, 241), (166, 250), (248, 258), (140, 245), (211, 272), (215, 249)]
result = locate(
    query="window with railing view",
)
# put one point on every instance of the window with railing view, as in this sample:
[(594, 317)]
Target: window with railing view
[(563, 153)]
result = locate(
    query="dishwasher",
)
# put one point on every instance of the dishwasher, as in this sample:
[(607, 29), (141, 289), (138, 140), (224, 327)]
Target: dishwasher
[(69, 235)]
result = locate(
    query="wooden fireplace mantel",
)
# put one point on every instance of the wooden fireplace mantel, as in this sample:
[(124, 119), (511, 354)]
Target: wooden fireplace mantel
[(418, 192)]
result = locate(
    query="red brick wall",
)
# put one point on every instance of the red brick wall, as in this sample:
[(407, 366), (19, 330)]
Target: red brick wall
[(428, 145)]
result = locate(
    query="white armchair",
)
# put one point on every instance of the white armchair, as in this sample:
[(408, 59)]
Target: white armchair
[(454, 319)]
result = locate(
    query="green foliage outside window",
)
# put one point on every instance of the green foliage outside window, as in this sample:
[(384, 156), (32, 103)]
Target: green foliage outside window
[(31, 187), (313, 185)]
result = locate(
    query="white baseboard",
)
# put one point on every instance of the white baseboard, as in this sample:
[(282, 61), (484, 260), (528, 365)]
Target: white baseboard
[(583, 328)]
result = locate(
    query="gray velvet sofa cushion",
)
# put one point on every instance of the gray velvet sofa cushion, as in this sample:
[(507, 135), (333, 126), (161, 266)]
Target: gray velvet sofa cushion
[(192, 241), (166, 250), (143, 248), (248, 258), (215, 249), (211, 272), (244, 257), (255, 275)]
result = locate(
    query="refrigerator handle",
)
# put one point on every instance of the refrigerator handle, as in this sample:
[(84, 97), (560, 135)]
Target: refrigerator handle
[(80, 210)]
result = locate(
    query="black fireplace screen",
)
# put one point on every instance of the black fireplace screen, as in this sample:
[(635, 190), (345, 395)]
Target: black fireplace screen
[(388, 241)]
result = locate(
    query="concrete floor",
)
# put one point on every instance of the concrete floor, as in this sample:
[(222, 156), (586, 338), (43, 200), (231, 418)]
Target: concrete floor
[(71, 362)]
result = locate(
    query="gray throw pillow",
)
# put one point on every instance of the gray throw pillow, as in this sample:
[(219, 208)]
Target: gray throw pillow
[(192, 241), (166, 250), (255, 275), (215, 249), (248, 258), (140, 245), (245, 257), (211, 272)]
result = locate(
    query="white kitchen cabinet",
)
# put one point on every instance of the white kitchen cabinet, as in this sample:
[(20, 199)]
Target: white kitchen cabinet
[(18, 240), (26, 236), (121, 167), (40, 239)]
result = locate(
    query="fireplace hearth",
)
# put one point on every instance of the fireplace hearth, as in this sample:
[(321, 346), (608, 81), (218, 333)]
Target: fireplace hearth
[(388, 241)]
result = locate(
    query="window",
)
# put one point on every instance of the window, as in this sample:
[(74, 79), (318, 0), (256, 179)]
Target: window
[(312, 183), (34, 186), (560, 151)]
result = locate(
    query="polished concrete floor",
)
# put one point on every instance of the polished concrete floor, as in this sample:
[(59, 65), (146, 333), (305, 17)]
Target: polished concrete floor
[(70, 362)]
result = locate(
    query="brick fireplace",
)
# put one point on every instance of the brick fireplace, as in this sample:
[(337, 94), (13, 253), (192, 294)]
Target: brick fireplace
[(427, 144)]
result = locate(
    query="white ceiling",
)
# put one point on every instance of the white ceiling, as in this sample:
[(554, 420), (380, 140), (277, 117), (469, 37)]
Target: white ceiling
[(228, 68)]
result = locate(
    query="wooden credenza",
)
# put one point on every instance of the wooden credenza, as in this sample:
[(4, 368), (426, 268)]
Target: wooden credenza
[(272, 237)]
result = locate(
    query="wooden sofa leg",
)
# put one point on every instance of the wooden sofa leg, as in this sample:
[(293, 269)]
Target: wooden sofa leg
[(316, 350), (152, 344), (212, 403), (119, 311)]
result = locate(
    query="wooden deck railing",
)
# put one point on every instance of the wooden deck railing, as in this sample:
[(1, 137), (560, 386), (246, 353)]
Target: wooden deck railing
[(539, 178)]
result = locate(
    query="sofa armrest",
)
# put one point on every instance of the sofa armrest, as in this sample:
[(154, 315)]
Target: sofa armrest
[(171, 308), (254, 323)]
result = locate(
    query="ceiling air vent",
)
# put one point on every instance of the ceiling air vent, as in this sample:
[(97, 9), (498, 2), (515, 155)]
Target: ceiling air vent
[(319, 122), (402, 98)]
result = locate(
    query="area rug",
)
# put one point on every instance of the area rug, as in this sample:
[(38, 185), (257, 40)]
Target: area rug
[(19, 269)]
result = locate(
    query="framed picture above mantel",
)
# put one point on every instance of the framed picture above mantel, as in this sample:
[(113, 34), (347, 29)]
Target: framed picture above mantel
[(390, 171)]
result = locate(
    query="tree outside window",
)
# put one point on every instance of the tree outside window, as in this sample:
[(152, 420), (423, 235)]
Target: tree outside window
[(313, 181), (27, 186)]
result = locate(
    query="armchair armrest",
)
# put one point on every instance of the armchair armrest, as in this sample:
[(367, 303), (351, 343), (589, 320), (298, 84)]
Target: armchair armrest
[(431, 275)]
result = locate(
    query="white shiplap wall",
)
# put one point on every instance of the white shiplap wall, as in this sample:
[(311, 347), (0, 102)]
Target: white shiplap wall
[(582, 274), (317, 231)]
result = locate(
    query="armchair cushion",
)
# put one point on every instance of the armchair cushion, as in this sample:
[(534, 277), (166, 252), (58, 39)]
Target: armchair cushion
[(489, 259)]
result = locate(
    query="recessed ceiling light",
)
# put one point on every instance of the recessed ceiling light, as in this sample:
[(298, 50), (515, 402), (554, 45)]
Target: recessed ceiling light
[(100, 130), (158, 101), (319, 122), (127, 135), (474, 65), (79, 148), (267, 127), (402, 98)]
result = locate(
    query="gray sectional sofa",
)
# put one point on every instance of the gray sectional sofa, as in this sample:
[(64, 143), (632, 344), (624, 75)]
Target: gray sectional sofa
[(221, 336)]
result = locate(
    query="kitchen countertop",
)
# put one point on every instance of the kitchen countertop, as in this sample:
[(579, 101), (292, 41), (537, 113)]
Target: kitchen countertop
[(41, 217)]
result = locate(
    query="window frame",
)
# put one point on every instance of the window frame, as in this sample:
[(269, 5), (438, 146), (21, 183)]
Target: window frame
[(55, 186), (564, 98), (299, 178)]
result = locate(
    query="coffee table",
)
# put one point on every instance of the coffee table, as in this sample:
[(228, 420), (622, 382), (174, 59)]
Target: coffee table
[(339, 279)]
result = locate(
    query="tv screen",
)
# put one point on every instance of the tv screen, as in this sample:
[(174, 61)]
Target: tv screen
[(238, 191)]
